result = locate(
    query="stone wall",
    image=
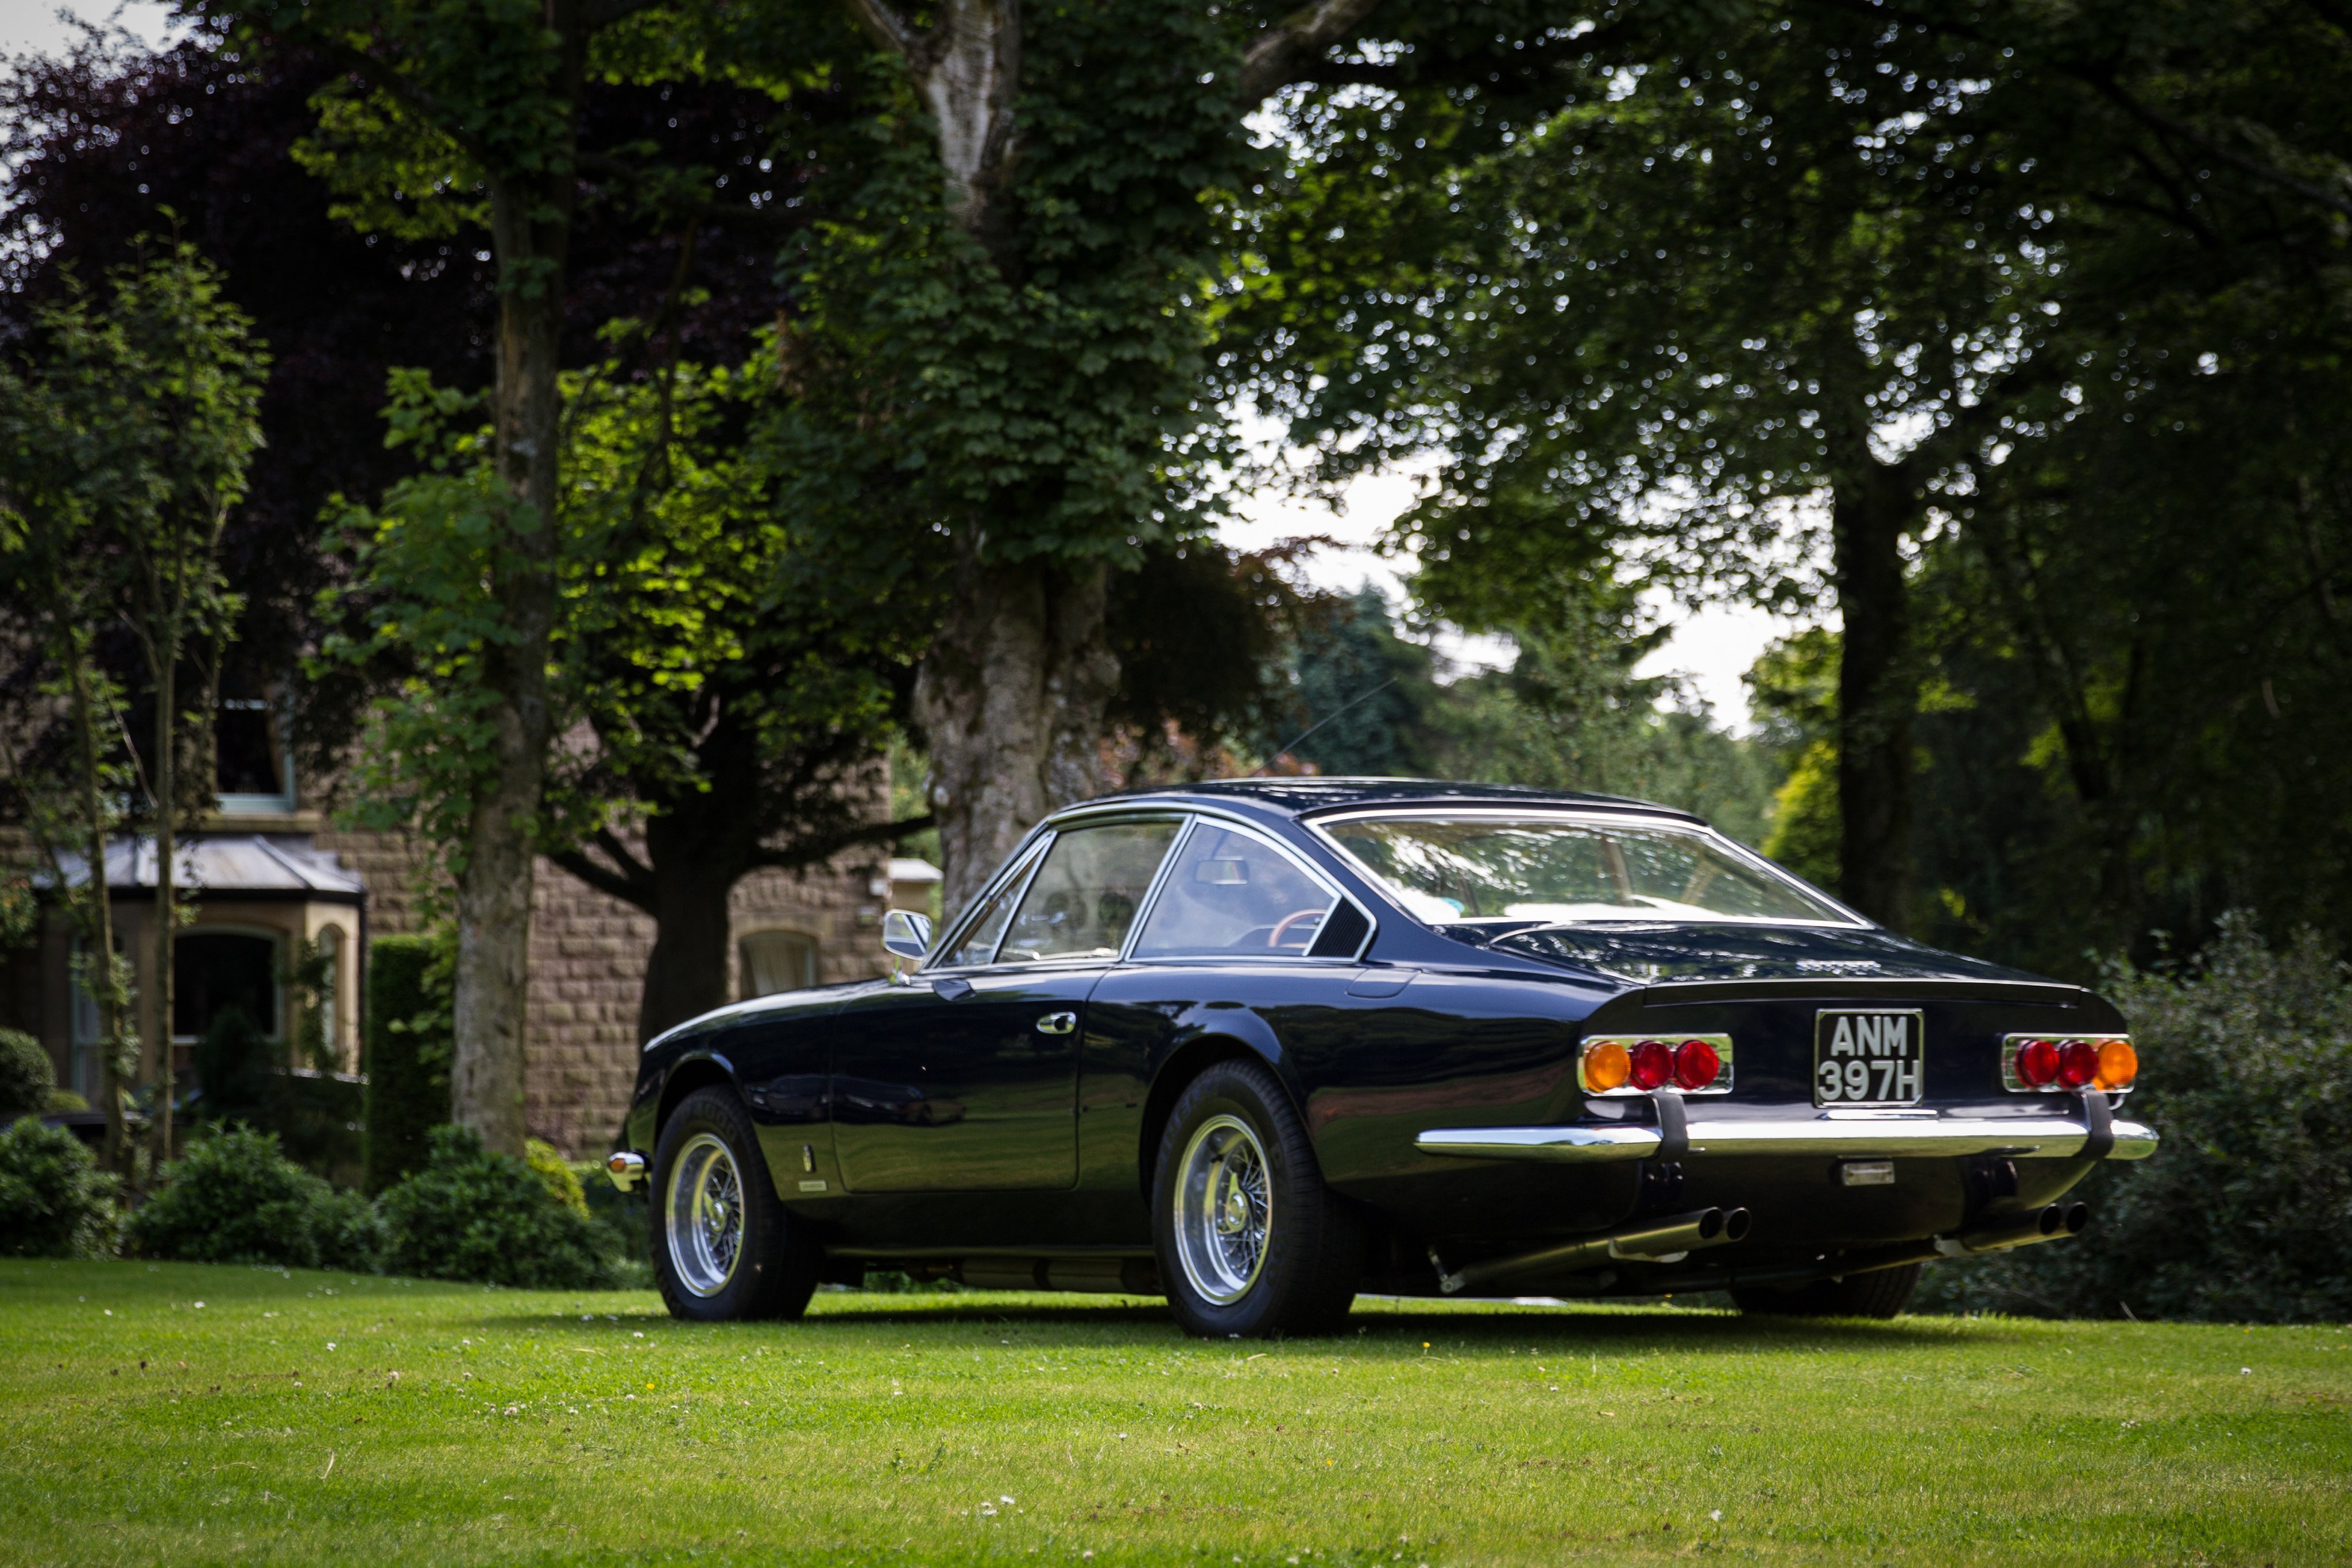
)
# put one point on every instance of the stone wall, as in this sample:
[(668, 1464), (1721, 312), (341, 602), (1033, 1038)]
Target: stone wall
[(588, 955)]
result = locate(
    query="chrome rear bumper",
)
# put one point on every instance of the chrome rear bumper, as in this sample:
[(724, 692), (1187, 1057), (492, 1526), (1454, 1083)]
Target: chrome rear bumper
[(2019, 1137)]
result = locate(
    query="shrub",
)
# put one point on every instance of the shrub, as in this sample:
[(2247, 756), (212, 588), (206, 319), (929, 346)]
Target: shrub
[(236, 1198), (562, 1181), (2241, 1215), (66, 1099), (473, 1215), (407, 1049), (244, 1079), (54, 1200), (26, 1078), (625, 1220)]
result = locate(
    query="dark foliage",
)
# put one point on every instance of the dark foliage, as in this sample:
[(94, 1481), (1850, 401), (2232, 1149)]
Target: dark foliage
[(28, 1077), (407, 1055), (1357, 694), (54, 1200), (2245, 1213), (473, 1215), (114, 149), (243, 1077), (234, 1198)]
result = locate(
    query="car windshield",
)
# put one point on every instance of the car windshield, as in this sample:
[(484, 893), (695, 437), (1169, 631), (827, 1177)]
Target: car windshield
[(1447, 869)]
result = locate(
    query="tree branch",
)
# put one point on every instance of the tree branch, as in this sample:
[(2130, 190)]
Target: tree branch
[(886, 27), (805, 852), (2156, 119), (1275, 57), (631, 882)]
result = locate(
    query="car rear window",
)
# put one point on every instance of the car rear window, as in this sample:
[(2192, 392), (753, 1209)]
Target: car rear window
[(1571, 871)]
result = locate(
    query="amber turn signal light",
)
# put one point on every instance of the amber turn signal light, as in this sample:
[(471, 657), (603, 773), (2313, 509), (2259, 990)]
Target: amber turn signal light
[(2118, 1065), (1607, 1066)]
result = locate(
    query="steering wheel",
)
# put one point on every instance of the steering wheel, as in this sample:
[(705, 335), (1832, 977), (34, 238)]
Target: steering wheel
[(1274, 937)]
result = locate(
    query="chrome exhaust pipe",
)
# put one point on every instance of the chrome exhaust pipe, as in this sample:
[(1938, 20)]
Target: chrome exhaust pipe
[(2055, 1223), (1653, 1241)]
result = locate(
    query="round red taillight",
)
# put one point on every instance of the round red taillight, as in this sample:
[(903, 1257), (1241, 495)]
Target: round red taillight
[(2037, 1064), (1695, 1065), (1653, 1063), (2078, 1063)]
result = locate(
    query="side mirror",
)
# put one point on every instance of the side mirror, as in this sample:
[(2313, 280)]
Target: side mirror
[(906, 935)]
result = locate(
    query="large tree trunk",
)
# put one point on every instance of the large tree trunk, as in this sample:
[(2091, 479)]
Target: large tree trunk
[(1877, 695), (531, 225), (686, 973), (1011, 698)]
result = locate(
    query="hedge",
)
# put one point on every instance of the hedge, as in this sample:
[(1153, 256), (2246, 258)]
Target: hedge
[(407, 1047)]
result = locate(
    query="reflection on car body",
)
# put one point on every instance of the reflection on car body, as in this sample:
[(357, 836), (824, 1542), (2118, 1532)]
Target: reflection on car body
[(1261, 1045)]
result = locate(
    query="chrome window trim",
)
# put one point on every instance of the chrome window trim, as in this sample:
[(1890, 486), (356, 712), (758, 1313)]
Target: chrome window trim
[(1028, 862), (1737, 851), (1022, 865), (1313, 872)]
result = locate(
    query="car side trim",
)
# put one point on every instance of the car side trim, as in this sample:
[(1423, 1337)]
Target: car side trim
[(2021, 1138)]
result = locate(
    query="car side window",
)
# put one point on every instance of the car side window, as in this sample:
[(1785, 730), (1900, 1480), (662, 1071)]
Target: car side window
[(1086, 895), (1232, 892), (978, 944)]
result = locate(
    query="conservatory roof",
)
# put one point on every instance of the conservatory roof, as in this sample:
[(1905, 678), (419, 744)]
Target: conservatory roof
[(247, 863)]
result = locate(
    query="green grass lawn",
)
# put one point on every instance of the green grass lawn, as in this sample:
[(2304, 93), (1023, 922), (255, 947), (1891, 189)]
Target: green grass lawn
[(188, 1414)]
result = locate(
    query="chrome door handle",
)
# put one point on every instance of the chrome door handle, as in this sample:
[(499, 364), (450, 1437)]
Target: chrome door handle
[(1057, 1023)]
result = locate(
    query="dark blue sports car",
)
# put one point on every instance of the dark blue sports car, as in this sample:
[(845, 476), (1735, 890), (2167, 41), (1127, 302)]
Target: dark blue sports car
[(1260, 1046)]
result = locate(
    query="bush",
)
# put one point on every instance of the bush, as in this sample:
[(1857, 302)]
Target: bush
[(473, 1215), (54, 1200), (236, 1198), (408, 1052), (625, 1220), (244, 1079), (2245, 1214), (26, 1078), (563, 1183), (66, 1099)]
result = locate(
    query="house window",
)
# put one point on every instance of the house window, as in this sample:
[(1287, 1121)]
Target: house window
[(213, 971), (255, 771), (331, 989), (87, 1070), (777, 961)]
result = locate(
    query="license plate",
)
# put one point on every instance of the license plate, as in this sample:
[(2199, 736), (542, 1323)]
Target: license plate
[(1870, 1058)]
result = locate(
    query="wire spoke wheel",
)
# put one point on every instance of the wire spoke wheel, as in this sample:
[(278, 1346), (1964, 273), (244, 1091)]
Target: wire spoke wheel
[(704, 1215), (1225, 1209)]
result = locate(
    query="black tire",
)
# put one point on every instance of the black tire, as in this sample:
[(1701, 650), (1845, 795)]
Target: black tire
[(776, 1260), (1880, 1293), (1310, 1252)]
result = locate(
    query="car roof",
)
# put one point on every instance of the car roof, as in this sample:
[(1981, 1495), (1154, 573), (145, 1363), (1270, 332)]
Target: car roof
[(1301, 797)]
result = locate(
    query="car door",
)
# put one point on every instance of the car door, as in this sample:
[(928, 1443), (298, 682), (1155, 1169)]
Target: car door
[(967, 1080)]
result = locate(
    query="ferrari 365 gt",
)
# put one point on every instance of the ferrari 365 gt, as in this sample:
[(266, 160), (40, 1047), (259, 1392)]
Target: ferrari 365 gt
[(1259, 1046)]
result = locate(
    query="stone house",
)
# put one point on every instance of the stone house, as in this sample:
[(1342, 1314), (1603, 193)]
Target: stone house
[(275, 879)]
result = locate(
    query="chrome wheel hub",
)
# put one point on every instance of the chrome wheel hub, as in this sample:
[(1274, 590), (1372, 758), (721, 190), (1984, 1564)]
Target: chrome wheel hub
[(1225, 1209), (703, 1215)]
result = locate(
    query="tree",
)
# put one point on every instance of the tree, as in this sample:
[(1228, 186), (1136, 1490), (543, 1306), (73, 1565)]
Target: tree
[(182, 379), (67, 802), (452, 114), (1704, 295), (739, 686), (127, 447), (1026, 303)]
